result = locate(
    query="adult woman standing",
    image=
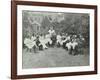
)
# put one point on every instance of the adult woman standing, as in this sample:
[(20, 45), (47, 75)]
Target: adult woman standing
[(52, 36)]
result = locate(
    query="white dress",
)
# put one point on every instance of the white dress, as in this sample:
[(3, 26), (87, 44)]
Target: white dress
[(43, 42), (74, 44), (33, 38), (68, 45), (29, 42), (59, 39), (47, 39), (51, 32)]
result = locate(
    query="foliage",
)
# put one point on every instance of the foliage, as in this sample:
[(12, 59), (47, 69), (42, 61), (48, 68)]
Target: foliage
[(72, 23)]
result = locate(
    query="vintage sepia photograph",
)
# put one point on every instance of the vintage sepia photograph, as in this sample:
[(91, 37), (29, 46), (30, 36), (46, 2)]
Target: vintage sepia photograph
[(55, 39)]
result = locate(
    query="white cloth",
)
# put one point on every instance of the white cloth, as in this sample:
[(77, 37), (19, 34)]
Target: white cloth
[(58, 38), (33, 38), (68, 45), (29, 43), (74, 44), (62, 41), (43, 42), (47, 39), (51, 32)]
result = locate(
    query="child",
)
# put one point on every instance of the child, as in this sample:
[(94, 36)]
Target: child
[(43, 42), (28, 42), (68, 46), (33, 39), (74, 47), (59, 40), (48, 40)]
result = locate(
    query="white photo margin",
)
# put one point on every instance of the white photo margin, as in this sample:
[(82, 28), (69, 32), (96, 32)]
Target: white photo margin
[(21, 71)]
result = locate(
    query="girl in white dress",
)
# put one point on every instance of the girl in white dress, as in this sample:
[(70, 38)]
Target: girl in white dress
[(48, 40), (43, 41), (33, 39), (29, 43), (59, 39), (52, 34)]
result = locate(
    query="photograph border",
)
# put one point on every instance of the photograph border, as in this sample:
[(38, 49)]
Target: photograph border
[(14, 38)]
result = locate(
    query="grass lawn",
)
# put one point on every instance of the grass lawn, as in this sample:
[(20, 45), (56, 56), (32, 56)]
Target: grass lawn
[(53, 57)]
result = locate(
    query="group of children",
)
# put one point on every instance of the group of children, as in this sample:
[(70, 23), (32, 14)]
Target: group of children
[(37, 42), (71, 43)]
